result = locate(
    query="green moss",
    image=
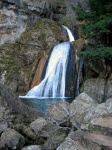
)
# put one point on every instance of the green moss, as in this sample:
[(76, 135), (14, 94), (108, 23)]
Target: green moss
[(90, 128), (10, 60), (59, 132), (14, 56), (43, 26), (69, 21)]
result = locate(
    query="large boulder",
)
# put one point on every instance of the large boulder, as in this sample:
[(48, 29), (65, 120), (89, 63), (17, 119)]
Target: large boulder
[(84, 109), (12, 110), (104, 109), (59, 112), (79, 108), (98, 89), (71, 142), (38, 124), (12, 139)]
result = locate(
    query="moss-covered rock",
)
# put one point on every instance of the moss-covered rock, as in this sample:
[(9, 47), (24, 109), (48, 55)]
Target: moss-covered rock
[(19, 60)]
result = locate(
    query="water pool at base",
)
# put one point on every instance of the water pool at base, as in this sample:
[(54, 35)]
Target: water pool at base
[(41, 104)]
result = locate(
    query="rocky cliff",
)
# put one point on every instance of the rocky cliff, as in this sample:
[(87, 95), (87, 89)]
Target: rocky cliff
[(18, 15), (26, 38), (20, 60)]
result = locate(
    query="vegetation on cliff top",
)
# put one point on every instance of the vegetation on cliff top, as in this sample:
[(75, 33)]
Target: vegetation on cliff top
[(97, 24)]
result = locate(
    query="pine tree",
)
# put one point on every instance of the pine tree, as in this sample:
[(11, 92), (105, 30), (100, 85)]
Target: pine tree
[(97, 25)]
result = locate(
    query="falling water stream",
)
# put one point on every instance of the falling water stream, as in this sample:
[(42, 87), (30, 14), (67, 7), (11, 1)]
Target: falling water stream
[(59, 75)]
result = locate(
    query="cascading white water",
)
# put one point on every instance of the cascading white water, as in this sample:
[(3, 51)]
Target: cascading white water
[(71, 37), (53, 84)]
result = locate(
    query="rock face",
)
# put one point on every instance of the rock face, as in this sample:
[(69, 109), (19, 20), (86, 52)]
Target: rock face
[(11, 101), (38, 73), (16, 16), (79, 107), (98, 89), (22, 57), (12, 108)]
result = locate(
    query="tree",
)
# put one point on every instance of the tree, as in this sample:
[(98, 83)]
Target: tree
[(97, 26)]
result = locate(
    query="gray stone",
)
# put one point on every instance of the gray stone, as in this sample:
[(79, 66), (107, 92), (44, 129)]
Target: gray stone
[(95, 112), (104, 109), (108, 89), (6, 116), (95, 88), (3, 146), (108, 104), (3, 126), (12, 139), (10, 104), (68, 144), (38, 124), (59, 112), (32, 147), (56, 138), (72, 142), (79, 108)]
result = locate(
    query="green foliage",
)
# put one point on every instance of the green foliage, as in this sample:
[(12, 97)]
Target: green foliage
[(97, 19), (96, 23), (96, 53), (90, 128)]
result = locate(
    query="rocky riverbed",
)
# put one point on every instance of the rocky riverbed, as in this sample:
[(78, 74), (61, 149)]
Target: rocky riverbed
[(83, 124)]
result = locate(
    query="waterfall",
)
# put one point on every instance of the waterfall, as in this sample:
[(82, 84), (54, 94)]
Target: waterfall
[(70, 34), (58, 74), (77, 92)]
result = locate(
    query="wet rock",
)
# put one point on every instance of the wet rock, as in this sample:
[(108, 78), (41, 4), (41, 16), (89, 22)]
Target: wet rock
[(12, 139), (38, 73)]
